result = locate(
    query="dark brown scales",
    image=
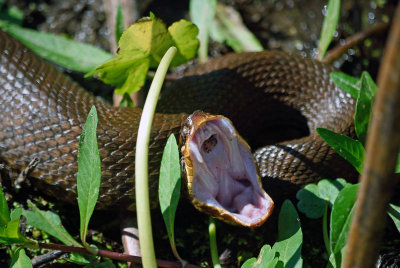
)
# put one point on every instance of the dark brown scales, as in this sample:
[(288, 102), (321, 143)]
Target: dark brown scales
[(270, 97)]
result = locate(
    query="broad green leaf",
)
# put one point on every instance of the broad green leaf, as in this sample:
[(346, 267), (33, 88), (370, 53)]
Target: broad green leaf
[(351, 150), (312, 197), (342, 212), (9, 233), (228, 27), (49, 222), (347, 83), (4, 211), (65, 52), (290, 236), (328, 27), (309, 201), (89, 172), (20, 260), (202, 13), (183, 34), (364, 106), (119, 23), (141, 47), (16, 214), (266, 259), (394, 213), (169, 186)]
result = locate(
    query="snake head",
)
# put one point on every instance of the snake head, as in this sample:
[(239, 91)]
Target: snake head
[(220, 171)]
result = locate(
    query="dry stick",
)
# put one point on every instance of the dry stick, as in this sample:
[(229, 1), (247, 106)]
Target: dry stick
[(114, 255), (353, 40), (382, 147)]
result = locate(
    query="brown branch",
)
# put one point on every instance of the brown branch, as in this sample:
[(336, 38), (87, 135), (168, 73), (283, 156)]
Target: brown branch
[(354, 40), (114, 255), (382, 147)]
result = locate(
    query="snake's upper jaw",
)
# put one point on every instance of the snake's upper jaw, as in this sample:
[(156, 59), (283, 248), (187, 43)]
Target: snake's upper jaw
[(221, 173)]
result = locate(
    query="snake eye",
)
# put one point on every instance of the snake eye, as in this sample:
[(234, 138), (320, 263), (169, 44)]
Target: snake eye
[(222, 174)]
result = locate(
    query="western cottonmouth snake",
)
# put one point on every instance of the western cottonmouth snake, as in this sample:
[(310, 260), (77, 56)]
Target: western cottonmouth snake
[(270, 97)]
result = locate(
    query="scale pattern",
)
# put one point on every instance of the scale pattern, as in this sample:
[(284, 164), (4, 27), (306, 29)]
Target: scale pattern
[(268, 96)]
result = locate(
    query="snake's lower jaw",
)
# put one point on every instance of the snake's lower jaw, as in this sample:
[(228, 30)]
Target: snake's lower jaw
[(221, 173)]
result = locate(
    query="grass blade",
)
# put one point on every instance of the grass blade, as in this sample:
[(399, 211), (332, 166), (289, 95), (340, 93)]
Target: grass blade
[(329, 26), (119, 23), (89, 172)]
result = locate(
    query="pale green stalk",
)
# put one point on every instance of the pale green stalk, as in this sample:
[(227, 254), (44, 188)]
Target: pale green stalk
[(141, 163), (213, 243)]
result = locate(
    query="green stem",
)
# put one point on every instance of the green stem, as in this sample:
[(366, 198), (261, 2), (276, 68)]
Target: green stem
[(325, 229), (213, 243), (141, 162)]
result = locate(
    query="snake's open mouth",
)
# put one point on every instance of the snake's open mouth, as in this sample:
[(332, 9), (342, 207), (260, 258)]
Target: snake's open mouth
[(221, 172)]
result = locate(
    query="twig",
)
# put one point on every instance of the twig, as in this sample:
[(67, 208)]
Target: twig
[(114, 255), (382, 146), (353, 40), (48, 257)]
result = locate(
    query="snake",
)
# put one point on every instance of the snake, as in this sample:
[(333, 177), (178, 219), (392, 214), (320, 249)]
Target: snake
[(275, 100)]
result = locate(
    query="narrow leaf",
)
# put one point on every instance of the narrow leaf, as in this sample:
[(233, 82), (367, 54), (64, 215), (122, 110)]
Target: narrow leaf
[(347, 83), (351, 150), (290, 236), (49, 222), (228, 27), (119, 23), (394, 213), (202, 13), (89, 172), (4, 211), (169, 187), (341, 215), (364, 106), (20, 260), (329, 26), (65, 52)]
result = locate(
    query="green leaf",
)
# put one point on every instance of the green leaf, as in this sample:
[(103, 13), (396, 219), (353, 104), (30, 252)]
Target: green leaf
[(169, 186), (126, 101), (394, 213), (20, 260), (119, 23), (312, 197), (12, 14), (9, 233), (89, 172), (351, 150), (342, 212), (106, 264), (65, 52), (290, 236), (202, 13), (347, 83), (228, 27), (266, 259), (141, 47), (49, 222), (398, 164), (183, 34), (4, 211), (364, 106), (329, 26)]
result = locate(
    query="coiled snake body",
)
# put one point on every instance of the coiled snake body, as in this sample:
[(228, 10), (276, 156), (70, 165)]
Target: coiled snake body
[(271, 97)]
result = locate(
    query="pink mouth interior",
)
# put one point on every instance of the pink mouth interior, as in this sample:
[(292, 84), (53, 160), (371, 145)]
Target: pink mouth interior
[(225, 173)]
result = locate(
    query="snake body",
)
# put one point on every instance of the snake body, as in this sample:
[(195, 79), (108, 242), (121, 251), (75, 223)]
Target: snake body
[(270, 97)]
